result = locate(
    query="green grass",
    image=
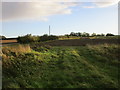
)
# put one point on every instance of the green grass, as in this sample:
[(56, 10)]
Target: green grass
[(105, 37), (63, 67), (70, 37)]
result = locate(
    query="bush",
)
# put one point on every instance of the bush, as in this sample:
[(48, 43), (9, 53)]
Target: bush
[(109, 34), (84, 34), (47, 38), (2, 37), (28, 38), (93, 34)]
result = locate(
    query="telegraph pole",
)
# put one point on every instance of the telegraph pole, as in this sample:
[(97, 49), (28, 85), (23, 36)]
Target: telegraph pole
[(49, 30)]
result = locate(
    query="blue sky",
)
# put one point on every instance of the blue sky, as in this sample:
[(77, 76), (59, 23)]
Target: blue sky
[(79, 18)]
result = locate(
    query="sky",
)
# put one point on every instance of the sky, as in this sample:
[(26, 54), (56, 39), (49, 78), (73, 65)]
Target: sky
[(64, 16)]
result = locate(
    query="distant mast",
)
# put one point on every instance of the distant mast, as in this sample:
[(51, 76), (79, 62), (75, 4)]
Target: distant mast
[(49, 30)]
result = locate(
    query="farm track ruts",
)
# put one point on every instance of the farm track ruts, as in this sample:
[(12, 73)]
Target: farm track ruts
[(81, 42)]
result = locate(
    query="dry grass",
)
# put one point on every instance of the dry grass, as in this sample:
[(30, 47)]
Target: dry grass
[(16, 48)]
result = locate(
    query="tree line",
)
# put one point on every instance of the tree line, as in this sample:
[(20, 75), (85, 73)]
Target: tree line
[(32, 38), (84, 34), (2, 37), (29, 38)]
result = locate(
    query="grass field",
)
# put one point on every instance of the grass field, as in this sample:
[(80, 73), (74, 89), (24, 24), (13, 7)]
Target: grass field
[(90, 66)]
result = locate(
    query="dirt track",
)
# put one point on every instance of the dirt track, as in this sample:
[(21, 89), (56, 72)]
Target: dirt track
[(81, 42)]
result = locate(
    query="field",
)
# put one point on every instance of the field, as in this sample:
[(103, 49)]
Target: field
[(8, 41), (45, 66), (95, 37), (79, 42)]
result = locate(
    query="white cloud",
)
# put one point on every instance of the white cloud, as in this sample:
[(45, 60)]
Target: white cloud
[(88, 7), (39, 0), (60, 0), (101, 3), (33, 10), (106, 3), (41, 10)]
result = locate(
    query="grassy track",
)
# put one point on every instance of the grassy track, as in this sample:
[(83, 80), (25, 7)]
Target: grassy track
[(91, 66)]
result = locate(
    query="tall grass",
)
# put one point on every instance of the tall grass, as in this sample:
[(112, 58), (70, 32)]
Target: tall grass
[(15, 50)]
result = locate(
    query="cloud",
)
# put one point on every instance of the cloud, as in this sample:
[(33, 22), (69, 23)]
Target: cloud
[(33, 10), (41, 10), (101, 3), (38, 0), (106, 3), (88, 7)]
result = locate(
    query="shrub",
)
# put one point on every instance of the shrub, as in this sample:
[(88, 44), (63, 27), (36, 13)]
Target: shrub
[(84, 34), (93, 34), (109, 34), (2, 37), (47, 38), (28, 38)]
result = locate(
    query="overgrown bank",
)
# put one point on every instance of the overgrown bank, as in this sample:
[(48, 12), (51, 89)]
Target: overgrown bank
[(91, 66)]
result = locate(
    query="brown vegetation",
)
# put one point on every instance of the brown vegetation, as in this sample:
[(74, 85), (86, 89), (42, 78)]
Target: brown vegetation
[(8, 41)]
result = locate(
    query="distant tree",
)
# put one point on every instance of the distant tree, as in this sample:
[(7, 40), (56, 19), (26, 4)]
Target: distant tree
[(93, 34), (109, 34), (28, 38), (2, 37), (79, 34), (52, 37), (102, 34), (84, 34), (67, 35), (72, 34), (45, 37), (98, 35), (87, 34)]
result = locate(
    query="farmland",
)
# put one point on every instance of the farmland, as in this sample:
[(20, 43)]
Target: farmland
[(61, 65), (79, 42), (8, 40), (59, 44)]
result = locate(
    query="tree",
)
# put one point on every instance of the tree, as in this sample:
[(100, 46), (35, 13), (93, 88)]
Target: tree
[(98, 35), (2, 37), (109, 34), (72, 34), (28, 38), (79, 34), (45, 37), (84, 34), (102, 34), (67, 35), (93, 34)]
